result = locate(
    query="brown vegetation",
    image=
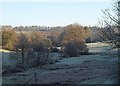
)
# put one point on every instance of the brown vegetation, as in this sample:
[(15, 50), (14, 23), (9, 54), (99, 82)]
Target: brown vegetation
[(40, 43)]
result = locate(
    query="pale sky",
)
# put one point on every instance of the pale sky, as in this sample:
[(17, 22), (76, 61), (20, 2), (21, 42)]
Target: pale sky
[(51, 13)]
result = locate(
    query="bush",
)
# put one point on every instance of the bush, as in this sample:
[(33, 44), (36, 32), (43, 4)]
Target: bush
[(71, 49), (83, 49), (8, 39)]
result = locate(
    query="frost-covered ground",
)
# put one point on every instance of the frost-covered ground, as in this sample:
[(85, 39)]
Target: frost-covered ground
[(99, 68)]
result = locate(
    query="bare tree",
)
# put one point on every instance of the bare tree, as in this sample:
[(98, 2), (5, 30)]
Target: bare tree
[(41, 46), (22, 44), (110, 25), (47, 43)]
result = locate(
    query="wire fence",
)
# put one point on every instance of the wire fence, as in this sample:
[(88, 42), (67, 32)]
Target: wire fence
[(33, 77)]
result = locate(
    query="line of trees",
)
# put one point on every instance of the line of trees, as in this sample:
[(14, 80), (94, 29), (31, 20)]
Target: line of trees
[(72, 42), (33, 28)]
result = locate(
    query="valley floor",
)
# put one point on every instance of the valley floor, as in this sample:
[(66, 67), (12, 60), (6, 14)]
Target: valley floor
[(99, 68)]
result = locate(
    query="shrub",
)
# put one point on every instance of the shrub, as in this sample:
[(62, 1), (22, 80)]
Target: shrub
[(83, 49), (8, 39), (71, 49)]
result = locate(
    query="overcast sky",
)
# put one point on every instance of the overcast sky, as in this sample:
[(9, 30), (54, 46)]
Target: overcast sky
[(52, 13)]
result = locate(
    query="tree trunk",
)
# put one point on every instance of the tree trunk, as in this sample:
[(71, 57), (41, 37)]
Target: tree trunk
[(22, 52), (47, 55), (38, 59)]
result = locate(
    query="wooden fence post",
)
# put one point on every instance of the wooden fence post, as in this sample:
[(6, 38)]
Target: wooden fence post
[(35, 74)]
